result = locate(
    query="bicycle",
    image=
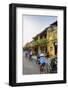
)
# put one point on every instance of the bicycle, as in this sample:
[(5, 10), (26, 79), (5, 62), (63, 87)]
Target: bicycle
[(42, 67)]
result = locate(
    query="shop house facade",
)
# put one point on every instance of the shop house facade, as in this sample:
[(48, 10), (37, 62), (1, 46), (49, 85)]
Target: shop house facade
[(52, 39), (46, 41)]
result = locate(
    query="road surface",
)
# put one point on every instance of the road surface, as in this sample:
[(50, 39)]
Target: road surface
[(30, 67)]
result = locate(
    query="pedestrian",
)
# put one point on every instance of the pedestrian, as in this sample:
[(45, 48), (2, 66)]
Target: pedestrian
[(30, 54), (26, 53)]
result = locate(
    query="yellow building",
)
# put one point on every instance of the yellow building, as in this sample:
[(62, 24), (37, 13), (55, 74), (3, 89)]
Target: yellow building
[(39, 42), (52, 39), (46, 41)]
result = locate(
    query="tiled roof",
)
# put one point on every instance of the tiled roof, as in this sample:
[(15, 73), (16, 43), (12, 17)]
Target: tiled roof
[(45, 30)]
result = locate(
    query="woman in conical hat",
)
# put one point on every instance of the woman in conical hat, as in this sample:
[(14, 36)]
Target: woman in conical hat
[(42, 61)]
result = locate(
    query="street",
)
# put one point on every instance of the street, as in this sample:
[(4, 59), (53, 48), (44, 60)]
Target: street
[(30, 67)]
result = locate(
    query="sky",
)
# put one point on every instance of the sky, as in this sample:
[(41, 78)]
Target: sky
[(34, 24)]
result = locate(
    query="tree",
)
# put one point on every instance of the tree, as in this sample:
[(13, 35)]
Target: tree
[(41, 42)]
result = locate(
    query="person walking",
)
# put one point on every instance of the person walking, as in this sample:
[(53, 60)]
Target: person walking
[(30, 54)]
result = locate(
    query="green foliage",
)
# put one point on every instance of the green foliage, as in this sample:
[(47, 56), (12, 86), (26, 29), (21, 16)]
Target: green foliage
[(41, 42), (25, 48)]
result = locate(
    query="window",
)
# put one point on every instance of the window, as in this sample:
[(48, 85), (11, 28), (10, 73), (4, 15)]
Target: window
[(51, 48)]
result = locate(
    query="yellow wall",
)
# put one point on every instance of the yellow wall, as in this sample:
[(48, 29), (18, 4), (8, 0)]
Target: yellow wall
[(50, 49), (51, 36)]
